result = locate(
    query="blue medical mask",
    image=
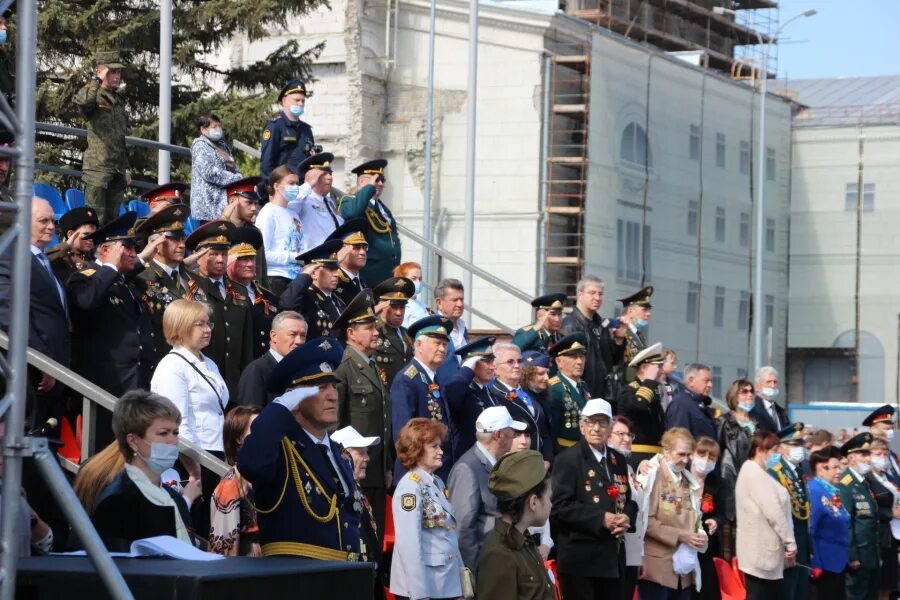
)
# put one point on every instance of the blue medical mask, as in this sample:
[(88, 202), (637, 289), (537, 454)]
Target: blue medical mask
[(290, 192), (770, 393), (676, 469), (162, 456), (773, 460), (641, 323), (745, 406), (214, 134), (3, 35), (418, 287), (296, 110)]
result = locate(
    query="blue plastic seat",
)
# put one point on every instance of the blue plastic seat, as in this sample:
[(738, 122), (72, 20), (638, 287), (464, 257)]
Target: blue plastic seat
[(74, 198), (139, 206), (51, 195), (123, 208), (190, 225)]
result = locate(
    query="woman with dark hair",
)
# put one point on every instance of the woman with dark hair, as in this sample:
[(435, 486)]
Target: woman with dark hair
[(233, 529), (734, 430), (281, 230), (426, 561), (509, 565), (765, 532), (829, 525), (212, 168)]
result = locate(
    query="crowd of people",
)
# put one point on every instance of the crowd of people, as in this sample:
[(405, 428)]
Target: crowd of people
[(286, 337)]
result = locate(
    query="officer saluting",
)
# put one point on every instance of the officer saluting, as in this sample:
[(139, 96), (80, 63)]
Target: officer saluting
[(544, 332), (636, 310), (467, 390), (245, 243), (857, 498), (351, 259), (70, 255), (286, 140), (304, 490), (311, 292)]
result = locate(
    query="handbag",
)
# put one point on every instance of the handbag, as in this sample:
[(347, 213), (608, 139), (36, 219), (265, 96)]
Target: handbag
[(467, 583)]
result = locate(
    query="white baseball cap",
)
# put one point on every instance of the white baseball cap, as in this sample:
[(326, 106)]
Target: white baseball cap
[(348, 437), (495, 418), (597, 406)]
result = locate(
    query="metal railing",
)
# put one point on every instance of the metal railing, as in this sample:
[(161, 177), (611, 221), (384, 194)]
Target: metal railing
[(96, 396)]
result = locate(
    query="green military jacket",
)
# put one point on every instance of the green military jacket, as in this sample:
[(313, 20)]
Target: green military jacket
[(510, 567), (566, 402), (107, 126), (529, 338), (384, 241), (158, 291), (858, 500), (793, 483), (392, 353), (364, 403)]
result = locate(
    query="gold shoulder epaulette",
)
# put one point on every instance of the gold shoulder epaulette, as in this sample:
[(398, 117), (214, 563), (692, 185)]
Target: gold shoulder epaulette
[(342, 276), (847, 479), (777, 467), (411, 371), (528, 328), (634, 385), (88, 272), (414, 477), (554, 380)]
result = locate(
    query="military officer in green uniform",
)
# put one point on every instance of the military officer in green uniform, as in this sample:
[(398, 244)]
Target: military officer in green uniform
[(544, 332), (395, 347), (105, 162), (795, 584), (165, 278), (231, 343), (568, 393), (363, 399), (636, 311), (857, 498), (351, 259), (384, 241)]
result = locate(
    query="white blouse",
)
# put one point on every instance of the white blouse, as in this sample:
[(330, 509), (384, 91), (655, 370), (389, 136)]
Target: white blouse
[(200, 398)]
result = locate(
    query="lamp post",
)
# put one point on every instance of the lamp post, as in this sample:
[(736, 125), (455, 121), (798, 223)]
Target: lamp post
[(758, 298)]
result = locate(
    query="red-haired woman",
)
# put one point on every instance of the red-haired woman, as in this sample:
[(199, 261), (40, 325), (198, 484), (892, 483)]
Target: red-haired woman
[(415, 308), (426, 562)]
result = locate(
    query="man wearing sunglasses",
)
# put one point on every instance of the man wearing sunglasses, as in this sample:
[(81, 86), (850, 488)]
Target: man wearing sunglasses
[(384, 241)]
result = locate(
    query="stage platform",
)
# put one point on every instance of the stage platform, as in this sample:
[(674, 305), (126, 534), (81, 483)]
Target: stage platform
[(74, 578)]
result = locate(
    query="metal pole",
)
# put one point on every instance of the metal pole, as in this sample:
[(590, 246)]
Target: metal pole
[(429, 135), (542, 203), (165, 88), (470, 148), (758, 303), (858, 273), (15, 443)]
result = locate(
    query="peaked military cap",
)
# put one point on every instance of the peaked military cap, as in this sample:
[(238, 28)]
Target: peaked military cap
[(516, 474), (372, 167), (652, 355), (861, 442), (640, 297), (169, 219), (111, 59), (324, 254), (294, 86), (396, 289), (534, 358), (352, 232), (171, 192), (321, 161), (215, 235), (245, 187), (120, 229), (552, 302), (75, 218), (792, 434), (245, 241), (483, 347), (7, 139), (574, 343), (436, 326), (359, 310), (883, 414), (312, 363)]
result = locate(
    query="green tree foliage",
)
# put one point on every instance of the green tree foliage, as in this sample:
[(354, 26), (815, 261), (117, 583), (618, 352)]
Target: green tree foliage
[(70, 32)]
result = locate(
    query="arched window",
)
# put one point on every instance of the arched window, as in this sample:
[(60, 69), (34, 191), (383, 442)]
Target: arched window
[(634, 145)]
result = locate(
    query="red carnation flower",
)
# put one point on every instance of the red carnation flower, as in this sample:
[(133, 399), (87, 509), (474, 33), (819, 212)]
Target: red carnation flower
[(707, 505), (613, 492), (815, 573)]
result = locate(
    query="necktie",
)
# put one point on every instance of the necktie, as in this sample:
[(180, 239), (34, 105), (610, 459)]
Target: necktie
[(603, 467), (357, 282), (335, 477), (221, 287), (45, 262)]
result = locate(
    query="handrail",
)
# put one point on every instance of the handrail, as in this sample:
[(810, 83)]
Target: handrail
[(133, 141), (93, 393)]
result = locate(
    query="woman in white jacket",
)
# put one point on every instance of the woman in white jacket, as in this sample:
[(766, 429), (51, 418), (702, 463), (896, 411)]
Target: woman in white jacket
[(765, 533)]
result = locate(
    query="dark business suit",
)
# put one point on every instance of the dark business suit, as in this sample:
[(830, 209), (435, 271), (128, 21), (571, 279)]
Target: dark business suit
[(764, 421), (252, 389), (513, 400), (48, 330)]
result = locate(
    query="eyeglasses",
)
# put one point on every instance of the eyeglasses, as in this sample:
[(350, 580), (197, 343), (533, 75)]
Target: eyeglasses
[(204, 324), (590, 423), (623, 434), (747, 391), (380, 179)]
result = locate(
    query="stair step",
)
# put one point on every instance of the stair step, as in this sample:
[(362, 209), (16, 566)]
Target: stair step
[(564, 260), (565, 210)]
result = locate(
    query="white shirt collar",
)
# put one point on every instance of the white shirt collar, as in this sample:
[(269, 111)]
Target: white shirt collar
[(35, 250), (323, 441), (569, 379), (599, 455), (487, 455), (275, 355), (859, 477), (428, 371), (169, 270), (768, 404)]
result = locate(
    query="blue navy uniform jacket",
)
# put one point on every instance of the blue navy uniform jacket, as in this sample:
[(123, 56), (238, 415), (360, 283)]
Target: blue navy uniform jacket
[(467, 399), (829, 528), (689, 411), (518, 407), (262, 462), (410, 398), (284, 142)]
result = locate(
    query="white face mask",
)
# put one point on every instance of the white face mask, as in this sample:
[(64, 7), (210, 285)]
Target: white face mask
[(880, 463), (863, 468), (702, 465), (889, 434), (770, 393), (622, 451), (796, 455)]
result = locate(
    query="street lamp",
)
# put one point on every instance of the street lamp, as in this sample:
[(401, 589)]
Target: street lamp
[(758, 307)]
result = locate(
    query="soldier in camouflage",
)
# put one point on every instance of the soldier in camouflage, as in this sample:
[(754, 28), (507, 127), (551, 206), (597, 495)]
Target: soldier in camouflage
[(105, 162)]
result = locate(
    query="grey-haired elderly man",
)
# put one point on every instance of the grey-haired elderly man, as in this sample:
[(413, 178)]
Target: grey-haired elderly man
[(474, 506), (770, 417)]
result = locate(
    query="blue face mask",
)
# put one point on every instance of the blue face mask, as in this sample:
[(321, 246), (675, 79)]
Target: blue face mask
[(745, 407), (641, 323), (296, 110), (214, 134), (3, 35), (290, 192), (162, 457), (418, 285), (773, 460)]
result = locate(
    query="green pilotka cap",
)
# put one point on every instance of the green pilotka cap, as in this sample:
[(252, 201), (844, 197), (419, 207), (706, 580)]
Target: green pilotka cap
[(516, 473)]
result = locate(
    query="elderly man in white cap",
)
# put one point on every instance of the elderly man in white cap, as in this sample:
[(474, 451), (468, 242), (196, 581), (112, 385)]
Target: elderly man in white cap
[(356, 448), (592, 509), (474, 506)]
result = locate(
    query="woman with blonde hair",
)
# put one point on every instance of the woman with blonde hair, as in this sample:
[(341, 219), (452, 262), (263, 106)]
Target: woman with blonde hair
[(96, 474)]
